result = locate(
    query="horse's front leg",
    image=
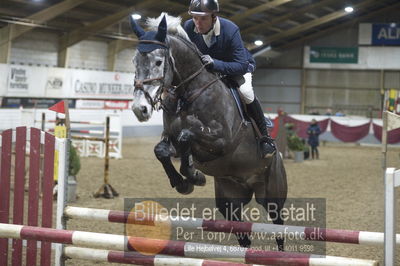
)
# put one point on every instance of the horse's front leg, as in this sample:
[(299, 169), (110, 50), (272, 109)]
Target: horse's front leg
[(163, 153), (187, 169)]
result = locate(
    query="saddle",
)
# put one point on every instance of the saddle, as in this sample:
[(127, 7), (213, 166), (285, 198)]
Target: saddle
[(233, 84)]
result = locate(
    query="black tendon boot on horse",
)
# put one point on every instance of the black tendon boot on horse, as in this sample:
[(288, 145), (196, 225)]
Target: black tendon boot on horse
[(268, 148)]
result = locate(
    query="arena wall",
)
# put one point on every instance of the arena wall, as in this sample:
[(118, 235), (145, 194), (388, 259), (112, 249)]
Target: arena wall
[(284, 79), (304, 87)]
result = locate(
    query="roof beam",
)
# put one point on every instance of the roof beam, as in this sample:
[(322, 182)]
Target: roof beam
[(80, 34), (31, 3), (5, 45), (106, 5), (339, 26), (267, 24), (289, 21), (43, 16), (313, 16), (12, 31), (239, 17), (313, 23)]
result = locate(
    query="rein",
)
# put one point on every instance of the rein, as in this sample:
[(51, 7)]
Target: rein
[(139, 84)]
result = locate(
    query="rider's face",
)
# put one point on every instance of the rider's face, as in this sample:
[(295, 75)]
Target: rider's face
[(203, 23)]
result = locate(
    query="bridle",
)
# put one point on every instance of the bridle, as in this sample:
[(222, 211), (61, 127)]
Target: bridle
[(139, 83)]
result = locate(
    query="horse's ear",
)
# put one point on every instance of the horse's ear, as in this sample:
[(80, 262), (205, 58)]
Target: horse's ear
[(162, 30), (136, 27)]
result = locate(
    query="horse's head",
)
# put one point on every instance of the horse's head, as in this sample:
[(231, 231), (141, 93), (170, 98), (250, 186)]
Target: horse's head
[(152, 69)]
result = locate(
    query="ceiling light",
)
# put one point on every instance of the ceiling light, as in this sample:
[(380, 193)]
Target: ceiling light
[(258, 43), (136, 16), (349, 9)]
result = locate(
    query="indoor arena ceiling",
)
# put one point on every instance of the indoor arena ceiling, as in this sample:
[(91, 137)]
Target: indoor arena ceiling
[(278, 23)]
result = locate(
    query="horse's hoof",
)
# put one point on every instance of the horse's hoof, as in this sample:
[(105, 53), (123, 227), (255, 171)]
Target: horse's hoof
[(194, 176), (244, 242), (185, 187), (199, 179), (281, 244)]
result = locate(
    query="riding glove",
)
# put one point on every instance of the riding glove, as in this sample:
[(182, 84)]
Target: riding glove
[(208, 61)]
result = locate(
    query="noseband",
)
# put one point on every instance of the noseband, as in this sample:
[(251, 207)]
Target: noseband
[(139, 86)]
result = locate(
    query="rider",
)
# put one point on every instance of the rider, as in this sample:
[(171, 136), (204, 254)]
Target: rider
[(224, 52)]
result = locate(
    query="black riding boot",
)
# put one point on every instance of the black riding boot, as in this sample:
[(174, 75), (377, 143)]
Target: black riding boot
[(267, 143)]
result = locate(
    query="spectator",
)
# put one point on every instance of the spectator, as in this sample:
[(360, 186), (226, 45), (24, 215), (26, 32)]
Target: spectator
[(339, 113), (314, 112), (328, 111), (313, 132)]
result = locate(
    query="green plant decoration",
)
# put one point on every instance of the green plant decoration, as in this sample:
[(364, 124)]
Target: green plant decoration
[(74, 162), (295, 143)]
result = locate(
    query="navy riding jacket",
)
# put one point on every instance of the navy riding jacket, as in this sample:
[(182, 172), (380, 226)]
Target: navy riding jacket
[(227, 49)]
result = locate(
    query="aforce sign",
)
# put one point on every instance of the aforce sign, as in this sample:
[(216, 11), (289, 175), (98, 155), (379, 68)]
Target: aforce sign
[(385, 34)]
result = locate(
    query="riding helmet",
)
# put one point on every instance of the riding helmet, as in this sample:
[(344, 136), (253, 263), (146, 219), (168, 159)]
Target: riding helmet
[(203, 7)]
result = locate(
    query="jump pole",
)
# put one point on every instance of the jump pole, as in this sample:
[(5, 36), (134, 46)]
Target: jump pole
[(173, 248), (328, 235), (137, 258)]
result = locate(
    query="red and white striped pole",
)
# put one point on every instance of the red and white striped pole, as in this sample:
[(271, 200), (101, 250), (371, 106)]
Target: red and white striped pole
[(83, 131), (81, 122), (308, 233), (174, 248), (140, 259)]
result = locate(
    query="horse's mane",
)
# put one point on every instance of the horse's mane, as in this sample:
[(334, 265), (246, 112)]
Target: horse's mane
[(173, 25)]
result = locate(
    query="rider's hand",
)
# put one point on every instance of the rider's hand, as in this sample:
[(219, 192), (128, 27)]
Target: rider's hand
[(208, 61)]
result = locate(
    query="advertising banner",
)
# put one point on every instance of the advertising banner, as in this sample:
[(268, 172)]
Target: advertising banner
[(50, 82), (368, 57), (106, 85), (57, 82), (116, 105), (29, 81), (385, 34), (3, 79), (12, 102), (343, 55), (89, 104), (26, 81)]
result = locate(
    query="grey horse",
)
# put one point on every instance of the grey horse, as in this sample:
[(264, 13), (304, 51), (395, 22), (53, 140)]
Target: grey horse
[(203, 126)]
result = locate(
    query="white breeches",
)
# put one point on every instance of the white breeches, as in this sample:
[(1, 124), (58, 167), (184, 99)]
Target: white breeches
[(246, 90)]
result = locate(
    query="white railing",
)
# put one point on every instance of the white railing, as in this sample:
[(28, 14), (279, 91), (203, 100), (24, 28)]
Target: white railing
[(392, 180)]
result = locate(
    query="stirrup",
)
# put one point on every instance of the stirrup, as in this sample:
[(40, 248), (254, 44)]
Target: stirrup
[(268, 147), (268, 139)]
